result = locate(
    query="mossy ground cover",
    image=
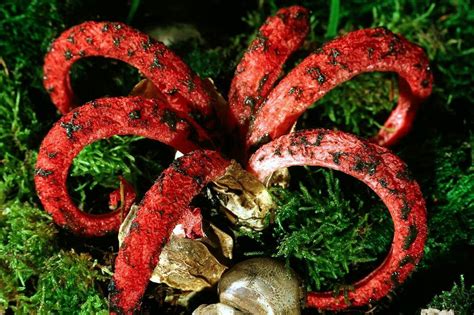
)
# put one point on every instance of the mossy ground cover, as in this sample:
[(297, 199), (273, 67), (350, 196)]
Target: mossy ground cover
[(328, 225)]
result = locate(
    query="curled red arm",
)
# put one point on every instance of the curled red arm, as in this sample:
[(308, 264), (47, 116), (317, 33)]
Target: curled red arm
[(97, 120), (162, 207), (180, 86), (385, 174), (277, 39), (361, 51)]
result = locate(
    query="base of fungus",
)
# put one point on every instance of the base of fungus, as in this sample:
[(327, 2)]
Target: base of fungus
[(161, 209)]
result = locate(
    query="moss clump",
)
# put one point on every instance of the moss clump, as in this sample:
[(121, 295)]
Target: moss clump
[(35, 275), (443, 167), (68, 284), (26, 241), (18, 125), (26, 30), (95, 171), (32, 267), (452, 200), (330, 235), (460, 299)]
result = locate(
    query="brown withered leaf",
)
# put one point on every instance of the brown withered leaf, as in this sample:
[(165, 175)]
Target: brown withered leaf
[(188, 264), (127, 223), (221, 242), (245, 200), (280, 177)]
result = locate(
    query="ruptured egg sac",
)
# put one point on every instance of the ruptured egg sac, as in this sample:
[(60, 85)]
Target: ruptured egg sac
[(187, 264), (259, 286), (216, 309), (244, 199)]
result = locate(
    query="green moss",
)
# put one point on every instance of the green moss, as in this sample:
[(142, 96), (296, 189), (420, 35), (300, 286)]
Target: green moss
[(95, 171), (217, 63), (35, 275), (26, 30), (100, 164), (26, 241), (68, 284), (328, 234), (460, 299), (443, 167), (444, 30), (209, 63), (18, 127), (105, 160)]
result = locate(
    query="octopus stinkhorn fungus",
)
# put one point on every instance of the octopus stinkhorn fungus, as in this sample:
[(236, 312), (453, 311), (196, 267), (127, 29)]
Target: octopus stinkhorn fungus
[(183, 115)]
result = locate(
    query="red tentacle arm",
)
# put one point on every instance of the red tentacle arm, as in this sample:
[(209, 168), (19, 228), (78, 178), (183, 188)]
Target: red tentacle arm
[(97, 120), (385, 174), (163, 206), (182, 88), (262, 63), (361, 51)]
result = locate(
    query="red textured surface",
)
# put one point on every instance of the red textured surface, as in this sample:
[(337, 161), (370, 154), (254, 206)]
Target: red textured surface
[(337, 61), (262, 63), (94, 121), (182, 88), (192, 224), (162, 208), (385, 174)]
